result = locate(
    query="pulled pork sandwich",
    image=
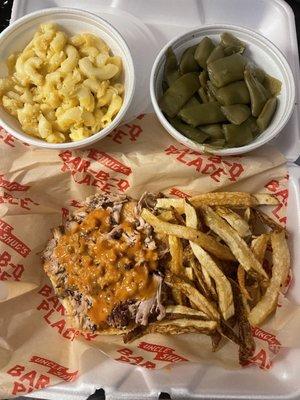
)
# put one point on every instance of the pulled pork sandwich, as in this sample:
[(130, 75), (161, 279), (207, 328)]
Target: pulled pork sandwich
[(213, 264), (104, 265)]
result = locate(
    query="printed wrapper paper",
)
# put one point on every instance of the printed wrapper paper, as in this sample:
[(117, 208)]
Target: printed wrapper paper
[(39, 188)]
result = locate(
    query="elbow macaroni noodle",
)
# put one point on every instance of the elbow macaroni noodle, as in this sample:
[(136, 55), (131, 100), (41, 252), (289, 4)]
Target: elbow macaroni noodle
[(63, 89)]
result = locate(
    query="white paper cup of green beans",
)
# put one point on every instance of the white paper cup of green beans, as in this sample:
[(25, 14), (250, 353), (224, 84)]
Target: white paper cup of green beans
[(222, 89)]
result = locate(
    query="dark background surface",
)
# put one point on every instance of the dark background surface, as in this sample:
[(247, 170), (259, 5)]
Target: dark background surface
[(5, 10)]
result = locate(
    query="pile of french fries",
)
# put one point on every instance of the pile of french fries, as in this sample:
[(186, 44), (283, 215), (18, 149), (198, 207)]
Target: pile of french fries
[(227, 264)]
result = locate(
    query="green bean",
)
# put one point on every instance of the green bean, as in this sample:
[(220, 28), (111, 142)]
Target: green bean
[(236, 113), (171, 72), (258, 73), (226, 70), (211, 88), (203, 78), (258, 94), (203, 95), (179, 93), (196, 114), (214, 131), (232, 44), (216, 144), (218, 52), (164, 86), (211, 97), (234, 93), (267, 113), (237, 135), (272, 85), (203, 51), (188, 62), (195, 134), (240, 135)]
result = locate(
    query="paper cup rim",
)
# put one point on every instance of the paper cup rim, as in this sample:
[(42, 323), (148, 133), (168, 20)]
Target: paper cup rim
[(121, 42), (284, 66)]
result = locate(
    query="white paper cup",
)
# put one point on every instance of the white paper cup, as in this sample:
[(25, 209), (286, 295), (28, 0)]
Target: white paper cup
[(73, 21), (259, 50)]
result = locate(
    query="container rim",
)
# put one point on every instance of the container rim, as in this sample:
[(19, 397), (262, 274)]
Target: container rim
[(236, 150), (92, 17)]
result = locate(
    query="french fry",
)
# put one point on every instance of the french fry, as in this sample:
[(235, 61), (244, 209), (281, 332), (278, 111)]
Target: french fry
[(193, 295), (185, 311), (247, 344), (189, 273), (281, 266), (216, 338), (236, 244), (208, 281), (207, 242), (265, 219), (232, 199), (265, 199), (166, 203), (223, 286), (166, 215), (176, 252), (241, 281), (227, 331), (235, 221), (259, 246), (183, 325), (198, 271), (247, 214)]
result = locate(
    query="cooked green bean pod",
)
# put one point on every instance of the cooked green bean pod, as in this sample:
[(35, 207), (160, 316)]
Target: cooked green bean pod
[(237, 135), (258, 73), (188, 62), (203, 51), (211, 97), (236, 113), (164, 86), (196, 114), (218, 52), (258, 94), (234, 93), (272, 85), (179, 93), (203, 78), (232, 44), (195, 134), (226, 70), (216, 144), (214, 131), (211, 88), (267, 113), (171, 72), (203, 95)]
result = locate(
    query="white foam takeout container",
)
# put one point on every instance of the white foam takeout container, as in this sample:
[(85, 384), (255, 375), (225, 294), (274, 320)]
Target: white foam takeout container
[(72, 21), (260, 52), (166, 20)]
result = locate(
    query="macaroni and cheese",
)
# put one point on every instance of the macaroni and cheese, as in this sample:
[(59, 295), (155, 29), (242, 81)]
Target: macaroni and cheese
[(63, 88)]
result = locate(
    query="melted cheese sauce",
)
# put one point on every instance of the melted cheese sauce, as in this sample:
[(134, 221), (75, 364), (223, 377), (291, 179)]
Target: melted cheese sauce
[(109, 270)]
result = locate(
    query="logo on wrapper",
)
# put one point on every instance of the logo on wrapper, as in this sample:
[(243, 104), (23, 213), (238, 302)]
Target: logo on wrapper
[(12, 186), (53, 315), (161, 353), (8, 238), (84, 173), (215, 167), (28, 379)]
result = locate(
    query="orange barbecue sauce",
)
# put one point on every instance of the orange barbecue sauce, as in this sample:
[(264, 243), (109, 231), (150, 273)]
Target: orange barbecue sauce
[(109, 270)]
